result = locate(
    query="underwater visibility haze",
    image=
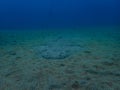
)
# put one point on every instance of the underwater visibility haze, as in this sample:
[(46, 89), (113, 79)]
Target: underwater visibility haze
[(58, 13), (59, 45)]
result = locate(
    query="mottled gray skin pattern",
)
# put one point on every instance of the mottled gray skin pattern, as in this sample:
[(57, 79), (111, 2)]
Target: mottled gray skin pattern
[(57, 51)]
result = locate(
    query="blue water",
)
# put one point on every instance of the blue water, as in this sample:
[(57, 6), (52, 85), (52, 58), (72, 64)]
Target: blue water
[(60, 14), (59, 45)]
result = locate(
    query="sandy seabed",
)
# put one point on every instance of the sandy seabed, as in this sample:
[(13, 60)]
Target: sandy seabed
[(60, 60)]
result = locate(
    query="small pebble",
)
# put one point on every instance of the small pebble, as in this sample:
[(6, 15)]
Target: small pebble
[(69, 71), (75, 85), (62, 64), (108, 63), (18, 58), (54, 87), (83, 82), (88, 78), (87, 52), (13, 53)]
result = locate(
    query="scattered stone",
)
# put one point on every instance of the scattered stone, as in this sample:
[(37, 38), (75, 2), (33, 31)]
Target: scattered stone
[(13, 72), (62, 65), (92, 71), (92, 87), (75, 85), (103, 73), (3, 84), (85, 66), (55, 87), (83, 82), (69, 71), (112, 73), (12, 53), (15, 41), (18, 58), (88, 78), (64, 84), (88, 52), (108, 63), (98, 67)]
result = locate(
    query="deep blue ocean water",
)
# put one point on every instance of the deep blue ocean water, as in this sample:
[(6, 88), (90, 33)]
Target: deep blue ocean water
[(59, 45), (58, 14)]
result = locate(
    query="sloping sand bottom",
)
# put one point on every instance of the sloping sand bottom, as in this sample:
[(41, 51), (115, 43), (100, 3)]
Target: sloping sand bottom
[(54, 61)]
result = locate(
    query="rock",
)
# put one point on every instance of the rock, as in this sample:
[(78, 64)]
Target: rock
[(92, 71), (69, 71), (12, 53), (108, 63), (62, 65), (83, 82), (75, 85), (55, 87), (117, 74), (92, 87), (88, 52)]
